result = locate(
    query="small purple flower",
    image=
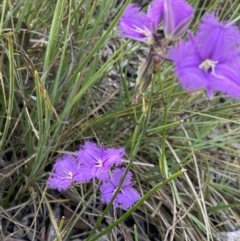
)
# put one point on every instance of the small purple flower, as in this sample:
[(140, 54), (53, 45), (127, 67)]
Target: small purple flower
[(141, 26), (127, 195), (97, 160), (177, 15), (210, 59), (66, 172)]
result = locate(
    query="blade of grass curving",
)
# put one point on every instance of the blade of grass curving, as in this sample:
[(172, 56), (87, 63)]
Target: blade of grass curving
[(166, 126), (55, 84), (53, 36), (39, 107), (9, 106), (4, 5), (135, 232), (135, 136), (162, 160)]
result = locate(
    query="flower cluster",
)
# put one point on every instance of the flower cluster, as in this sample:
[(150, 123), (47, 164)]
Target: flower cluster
[(176, 16), (210, 59), (89, 162)]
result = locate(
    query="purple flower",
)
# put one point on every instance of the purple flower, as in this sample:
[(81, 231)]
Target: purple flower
[(66, 172), (177, 15), (141, 26), (97, 160), (210, 59), (127, 195)]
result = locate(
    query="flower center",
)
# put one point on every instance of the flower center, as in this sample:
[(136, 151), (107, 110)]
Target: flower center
[(208, 65), (99, 162), (69, 174), (145, 31)]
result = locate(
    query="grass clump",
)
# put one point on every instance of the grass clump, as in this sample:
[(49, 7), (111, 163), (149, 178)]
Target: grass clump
[(66, 77)]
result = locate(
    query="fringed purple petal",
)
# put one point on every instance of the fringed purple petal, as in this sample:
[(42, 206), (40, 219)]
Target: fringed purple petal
[(107, 189), (65, 162), (88, 153), (217, 40), (226, 80), (187, 63), (136, 25), (113, 156), (58, 183), (117, 175), (63, 173), (127, 198)]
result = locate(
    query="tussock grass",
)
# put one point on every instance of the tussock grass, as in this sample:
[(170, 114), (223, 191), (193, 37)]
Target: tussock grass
[(63, 82)]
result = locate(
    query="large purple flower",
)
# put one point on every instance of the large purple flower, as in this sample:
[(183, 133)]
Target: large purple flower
[(141, 26), (97, 160), (66, 171), (210, 59), (177, 15), (127, 195)]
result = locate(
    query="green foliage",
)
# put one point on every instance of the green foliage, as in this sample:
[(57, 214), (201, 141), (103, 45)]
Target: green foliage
[(57, 90)]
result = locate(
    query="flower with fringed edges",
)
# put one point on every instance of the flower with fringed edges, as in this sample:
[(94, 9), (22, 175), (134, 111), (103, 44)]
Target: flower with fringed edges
[(211, 59), (97, 161), (66, 171), (138, 25), (127, 195)]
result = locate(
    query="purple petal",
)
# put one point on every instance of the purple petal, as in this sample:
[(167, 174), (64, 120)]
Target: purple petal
[(113, 156), (187, 63), (65, 162), (227, 80), (181, 28), (127, 198), (210, 60), (82, 174), (59, 183), (155, 12), (217, 40), (100, 172), (107, 189), (117, 175), (88, 153), (177, 15), (136, 25)]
